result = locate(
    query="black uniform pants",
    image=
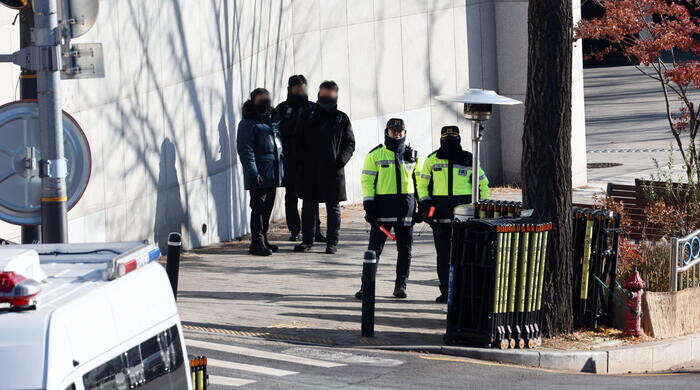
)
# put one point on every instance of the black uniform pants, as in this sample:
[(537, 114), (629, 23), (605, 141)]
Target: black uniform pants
[(291, 208), (262, 201), (404, 242), (310, 221), (442, 233)]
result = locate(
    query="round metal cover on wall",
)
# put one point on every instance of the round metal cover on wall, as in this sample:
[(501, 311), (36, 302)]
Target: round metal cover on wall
[(16, 4), (82, 12), (20, 152)]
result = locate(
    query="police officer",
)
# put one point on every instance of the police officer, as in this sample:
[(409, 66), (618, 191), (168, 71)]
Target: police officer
[(445, 182), (388, 188)]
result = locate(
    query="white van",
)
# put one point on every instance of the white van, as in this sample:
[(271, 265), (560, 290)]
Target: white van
[(103, 317)]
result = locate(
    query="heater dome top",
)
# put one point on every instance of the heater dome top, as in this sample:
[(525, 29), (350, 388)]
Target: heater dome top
[(478, 96)]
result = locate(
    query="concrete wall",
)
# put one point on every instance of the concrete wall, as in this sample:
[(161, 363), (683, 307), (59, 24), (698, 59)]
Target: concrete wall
[(162, 124), (498, 61)]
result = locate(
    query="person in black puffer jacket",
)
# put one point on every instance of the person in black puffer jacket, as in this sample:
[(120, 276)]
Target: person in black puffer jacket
[(260, 151)]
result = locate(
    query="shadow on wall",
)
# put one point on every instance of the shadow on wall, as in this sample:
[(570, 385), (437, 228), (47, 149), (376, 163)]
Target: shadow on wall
[(170, 215), (198, 181)]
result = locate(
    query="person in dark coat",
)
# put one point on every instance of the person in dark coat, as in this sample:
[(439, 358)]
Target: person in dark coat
[(260, 150), (287, 114), (324, 143)]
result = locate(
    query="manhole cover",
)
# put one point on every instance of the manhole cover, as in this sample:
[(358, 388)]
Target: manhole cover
[(603, 165)]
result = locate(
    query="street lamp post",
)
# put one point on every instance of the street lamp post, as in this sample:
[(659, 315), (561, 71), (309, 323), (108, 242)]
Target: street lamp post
[(478, 105), (53, 163)]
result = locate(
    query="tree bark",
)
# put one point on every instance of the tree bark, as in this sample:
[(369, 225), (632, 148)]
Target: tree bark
[(546, 160)]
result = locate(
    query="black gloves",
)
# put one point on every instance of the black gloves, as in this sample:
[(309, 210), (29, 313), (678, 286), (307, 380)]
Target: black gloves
[(371, 218), (417, 216), (410, 155), (370, 211)]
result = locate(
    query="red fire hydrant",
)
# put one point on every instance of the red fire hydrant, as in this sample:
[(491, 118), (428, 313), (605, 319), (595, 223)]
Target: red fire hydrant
[(633, 323)]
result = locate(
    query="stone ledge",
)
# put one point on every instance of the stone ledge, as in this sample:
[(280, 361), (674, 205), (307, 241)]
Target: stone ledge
[(648, 357)]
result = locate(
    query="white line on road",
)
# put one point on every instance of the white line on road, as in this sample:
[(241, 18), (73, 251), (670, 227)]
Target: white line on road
[(261, 354), (249, 368), (228, 381)]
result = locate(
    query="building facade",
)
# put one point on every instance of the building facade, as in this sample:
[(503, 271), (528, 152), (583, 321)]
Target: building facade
[(162, 124)]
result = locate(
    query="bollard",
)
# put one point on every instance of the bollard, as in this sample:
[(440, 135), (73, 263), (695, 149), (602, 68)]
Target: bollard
[(173, 265), (369, 271), (633, 322)]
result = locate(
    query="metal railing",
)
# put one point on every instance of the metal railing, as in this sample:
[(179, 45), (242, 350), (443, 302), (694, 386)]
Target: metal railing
[(685, 261)]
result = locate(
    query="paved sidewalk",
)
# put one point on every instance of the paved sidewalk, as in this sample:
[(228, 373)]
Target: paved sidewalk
[(309, 296)]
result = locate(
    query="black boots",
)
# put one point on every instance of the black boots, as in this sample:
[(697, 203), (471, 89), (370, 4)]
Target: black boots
[(258, 248), (303, 247), (400, 291), (273, 248), (359, 294)]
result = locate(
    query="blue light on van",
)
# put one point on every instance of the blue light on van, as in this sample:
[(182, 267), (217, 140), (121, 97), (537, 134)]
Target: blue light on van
[(154, 254)]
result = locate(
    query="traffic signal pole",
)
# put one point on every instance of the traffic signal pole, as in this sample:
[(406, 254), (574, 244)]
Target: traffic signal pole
[(53, 166), (27, 90)]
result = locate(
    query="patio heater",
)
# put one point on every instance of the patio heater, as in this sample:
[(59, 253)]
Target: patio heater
[(478, 105)]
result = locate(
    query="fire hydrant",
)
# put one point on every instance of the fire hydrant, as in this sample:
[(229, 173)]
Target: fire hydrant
[(633, 322)]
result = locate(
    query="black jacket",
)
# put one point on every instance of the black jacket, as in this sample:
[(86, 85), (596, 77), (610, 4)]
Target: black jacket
[(286, 115), (324, 144)]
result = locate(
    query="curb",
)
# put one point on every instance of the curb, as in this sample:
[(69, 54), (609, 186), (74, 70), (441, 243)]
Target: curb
[(635, 359)]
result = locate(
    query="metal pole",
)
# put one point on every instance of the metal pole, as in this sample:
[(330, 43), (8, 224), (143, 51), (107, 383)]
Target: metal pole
[(476, 139), (674, 264), (53, 165), (369, 271), (172, 267), (31, 234)]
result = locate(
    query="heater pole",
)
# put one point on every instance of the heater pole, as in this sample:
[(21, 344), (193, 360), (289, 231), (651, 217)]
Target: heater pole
[(476, 139)]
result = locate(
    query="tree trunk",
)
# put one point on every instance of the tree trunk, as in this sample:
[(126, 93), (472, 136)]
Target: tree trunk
[(546, 161)]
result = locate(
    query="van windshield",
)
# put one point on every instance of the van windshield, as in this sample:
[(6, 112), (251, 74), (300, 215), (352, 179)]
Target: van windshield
[(156, 363)]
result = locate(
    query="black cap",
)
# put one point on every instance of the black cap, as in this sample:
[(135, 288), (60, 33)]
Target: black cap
[(297, 79), (449, 131), (395, 124), (258, 91)]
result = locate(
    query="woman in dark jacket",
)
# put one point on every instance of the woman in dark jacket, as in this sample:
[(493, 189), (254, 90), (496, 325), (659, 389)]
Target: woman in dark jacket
[(260, 151)]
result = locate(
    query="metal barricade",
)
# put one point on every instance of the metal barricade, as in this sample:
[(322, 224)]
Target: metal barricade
[(685, 261)]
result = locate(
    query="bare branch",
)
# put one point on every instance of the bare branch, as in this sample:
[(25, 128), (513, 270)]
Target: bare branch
[(648, 74)]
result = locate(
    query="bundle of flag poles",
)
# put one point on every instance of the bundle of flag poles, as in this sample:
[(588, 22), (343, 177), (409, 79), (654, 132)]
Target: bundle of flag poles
[(496, 281), (596, 236)]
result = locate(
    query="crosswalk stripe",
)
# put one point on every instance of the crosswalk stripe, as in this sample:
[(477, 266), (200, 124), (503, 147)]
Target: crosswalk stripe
[(261, 354), (249, 368), (228, 381)]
